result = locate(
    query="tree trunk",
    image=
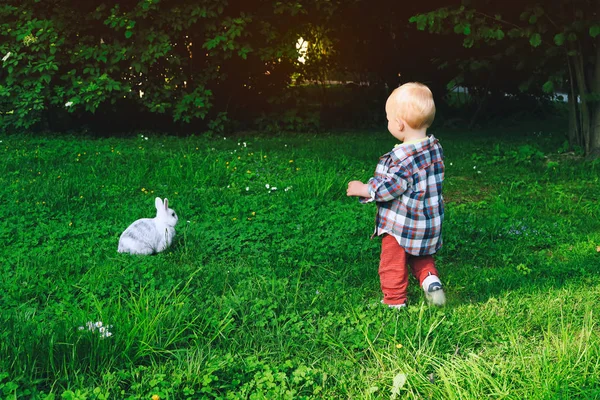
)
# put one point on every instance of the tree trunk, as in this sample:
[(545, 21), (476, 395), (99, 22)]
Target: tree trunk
[(574, 133), (595, 106), (584, 111), (595, 132)]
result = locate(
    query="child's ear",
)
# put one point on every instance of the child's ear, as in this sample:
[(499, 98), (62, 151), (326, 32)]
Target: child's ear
[(400, 124)]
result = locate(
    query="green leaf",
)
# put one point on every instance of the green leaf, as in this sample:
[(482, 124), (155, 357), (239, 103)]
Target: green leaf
[(548, 87), (467, 30), (128, 34), (533, 19), (559, 39), (594, 30), (499, 34), (535, 40)]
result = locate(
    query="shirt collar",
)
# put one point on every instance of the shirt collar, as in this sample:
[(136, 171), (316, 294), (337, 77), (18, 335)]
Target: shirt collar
[(409, 148)]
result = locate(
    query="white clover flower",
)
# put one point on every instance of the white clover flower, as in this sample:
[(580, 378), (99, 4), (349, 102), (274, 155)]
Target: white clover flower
[(267, 186), (273, 188), (247, 188), (287, 188), (6, 56), (244, 144), (189, 222), (475, 167), (68, 104), (450, 164), (103, 330)]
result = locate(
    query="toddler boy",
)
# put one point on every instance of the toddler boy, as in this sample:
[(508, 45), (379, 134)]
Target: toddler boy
[(407, 188)]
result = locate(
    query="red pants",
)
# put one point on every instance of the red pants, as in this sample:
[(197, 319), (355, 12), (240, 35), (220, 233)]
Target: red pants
[(393, 270)]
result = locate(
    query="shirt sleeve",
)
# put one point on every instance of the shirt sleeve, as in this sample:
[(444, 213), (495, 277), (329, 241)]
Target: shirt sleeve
[(389, 186)]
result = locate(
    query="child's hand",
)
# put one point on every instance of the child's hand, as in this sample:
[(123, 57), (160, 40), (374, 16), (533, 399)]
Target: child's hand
[(357, 188)]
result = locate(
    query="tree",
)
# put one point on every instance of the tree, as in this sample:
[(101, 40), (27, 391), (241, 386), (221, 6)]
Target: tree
[(179, 58), (563, 35)]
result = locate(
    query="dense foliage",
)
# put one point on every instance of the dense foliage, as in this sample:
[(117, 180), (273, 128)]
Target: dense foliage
[(183, 59), (236, 63), (548, 46)]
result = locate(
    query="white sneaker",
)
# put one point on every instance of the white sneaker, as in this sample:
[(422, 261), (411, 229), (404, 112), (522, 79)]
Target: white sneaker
[(396, 306), (432, 286)]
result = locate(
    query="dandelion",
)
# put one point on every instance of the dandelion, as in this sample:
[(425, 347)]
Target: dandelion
[(291, 161), (6, 56), (68, 104), (399, 346), (155, 397)]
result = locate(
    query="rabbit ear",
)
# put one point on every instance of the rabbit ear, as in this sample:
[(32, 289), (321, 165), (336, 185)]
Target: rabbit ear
[(158, 203), (166, 204)]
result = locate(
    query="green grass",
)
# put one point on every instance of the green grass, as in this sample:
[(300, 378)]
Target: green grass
[(274, 293)]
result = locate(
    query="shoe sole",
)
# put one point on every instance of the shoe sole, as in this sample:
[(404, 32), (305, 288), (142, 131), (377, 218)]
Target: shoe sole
[(437, 298)]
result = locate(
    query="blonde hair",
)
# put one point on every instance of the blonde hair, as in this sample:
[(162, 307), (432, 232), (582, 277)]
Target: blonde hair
[(413, 102)]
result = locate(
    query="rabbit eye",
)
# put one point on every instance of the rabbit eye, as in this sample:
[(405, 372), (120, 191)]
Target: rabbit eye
[(173, 214)]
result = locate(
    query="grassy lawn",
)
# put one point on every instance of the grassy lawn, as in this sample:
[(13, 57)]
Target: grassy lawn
[(270, 289)]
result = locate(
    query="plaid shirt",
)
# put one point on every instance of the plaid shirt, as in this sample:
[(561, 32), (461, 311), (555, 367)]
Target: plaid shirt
[(407, 188)]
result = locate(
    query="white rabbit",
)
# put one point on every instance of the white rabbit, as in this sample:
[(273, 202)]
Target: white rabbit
[(150, 235)]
